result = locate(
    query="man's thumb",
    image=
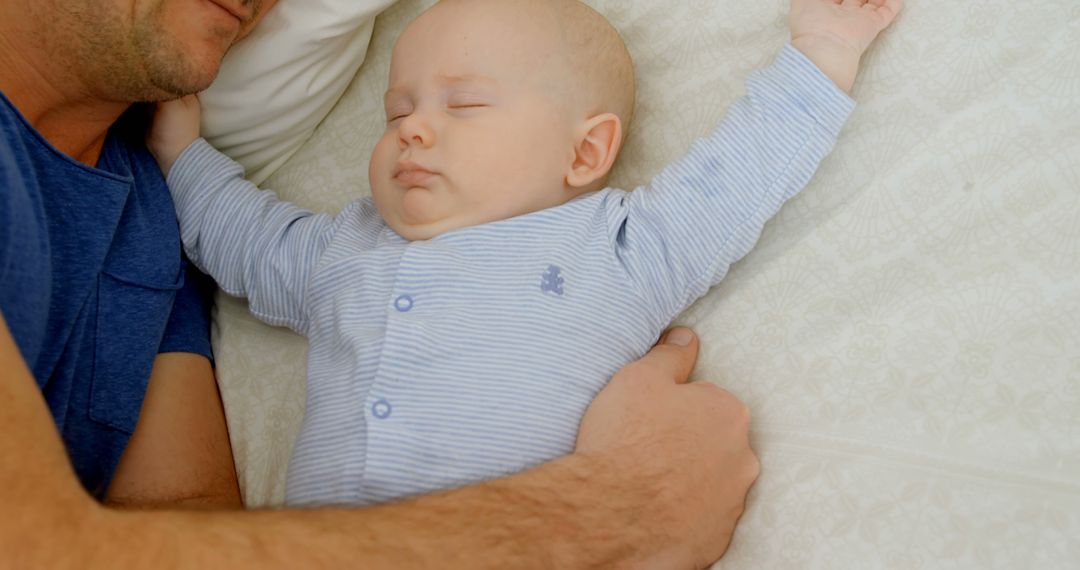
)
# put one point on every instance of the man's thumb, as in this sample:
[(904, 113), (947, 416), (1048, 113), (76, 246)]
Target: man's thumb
[(675, 353)]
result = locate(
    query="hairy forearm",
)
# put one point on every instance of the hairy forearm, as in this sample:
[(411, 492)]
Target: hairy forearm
[(566, 514), (558, 515), (641, 490)]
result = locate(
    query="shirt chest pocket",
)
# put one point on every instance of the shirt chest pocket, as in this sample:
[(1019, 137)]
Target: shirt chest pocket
[(133, 308)]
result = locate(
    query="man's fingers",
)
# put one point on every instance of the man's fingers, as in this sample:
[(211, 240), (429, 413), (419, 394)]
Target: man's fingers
[(673, 357)]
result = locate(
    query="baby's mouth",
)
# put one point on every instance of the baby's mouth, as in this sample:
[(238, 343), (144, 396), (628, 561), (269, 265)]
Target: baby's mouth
[(409, 173), (415, 177)]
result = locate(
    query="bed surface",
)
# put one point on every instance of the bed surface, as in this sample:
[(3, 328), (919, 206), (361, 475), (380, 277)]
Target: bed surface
[(906, 333)]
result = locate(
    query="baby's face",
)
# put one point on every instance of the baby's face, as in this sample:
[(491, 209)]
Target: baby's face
[(472, 135)]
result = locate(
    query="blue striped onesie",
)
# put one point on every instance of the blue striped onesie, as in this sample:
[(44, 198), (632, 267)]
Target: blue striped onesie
[(472, 355)]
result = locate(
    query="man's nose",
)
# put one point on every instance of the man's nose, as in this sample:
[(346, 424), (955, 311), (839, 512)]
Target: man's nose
[(415, 130)]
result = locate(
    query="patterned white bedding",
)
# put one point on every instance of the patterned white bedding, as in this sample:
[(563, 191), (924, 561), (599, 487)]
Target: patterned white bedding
[(907, 332)]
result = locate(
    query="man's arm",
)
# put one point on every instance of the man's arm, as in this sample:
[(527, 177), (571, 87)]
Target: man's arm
[(659, 478), (179, 455)]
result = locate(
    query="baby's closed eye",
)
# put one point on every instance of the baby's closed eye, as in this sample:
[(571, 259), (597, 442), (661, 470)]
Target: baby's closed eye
[(467, 101), (397, 112)]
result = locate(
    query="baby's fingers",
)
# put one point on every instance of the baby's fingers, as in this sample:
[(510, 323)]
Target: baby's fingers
[(885, 10), (888, 10), (185, 104), (190, 101)]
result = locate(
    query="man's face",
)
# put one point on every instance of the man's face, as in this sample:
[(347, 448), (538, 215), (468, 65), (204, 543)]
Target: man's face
[(148, 50), (473, 134)]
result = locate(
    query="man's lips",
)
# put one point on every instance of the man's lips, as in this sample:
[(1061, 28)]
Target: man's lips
[(411, 174), (237, 12)]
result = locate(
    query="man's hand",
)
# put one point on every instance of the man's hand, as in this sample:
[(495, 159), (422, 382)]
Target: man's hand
[(683, 446), (176, 125), (835, 33)]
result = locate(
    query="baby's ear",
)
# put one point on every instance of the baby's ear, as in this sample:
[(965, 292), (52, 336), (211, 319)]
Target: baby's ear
[(595, 150)]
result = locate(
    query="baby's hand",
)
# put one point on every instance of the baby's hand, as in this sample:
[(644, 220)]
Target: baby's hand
[(176, 125), (835, 33)]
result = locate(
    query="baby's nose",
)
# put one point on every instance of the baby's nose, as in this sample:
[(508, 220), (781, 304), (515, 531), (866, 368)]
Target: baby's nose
[(414, 130)]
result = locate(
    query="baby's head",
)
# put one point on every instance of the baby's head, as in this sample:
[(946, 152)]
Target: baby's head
[(498, 108)]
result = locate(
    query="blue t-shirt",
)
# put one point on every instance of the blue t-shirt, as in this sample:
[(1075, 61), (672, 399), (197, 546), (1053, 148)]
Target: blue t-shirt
[(92, 283)]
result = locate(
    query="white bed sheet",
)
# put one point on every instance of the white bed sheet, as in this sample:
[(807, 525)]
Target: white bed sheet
[(907, 332)]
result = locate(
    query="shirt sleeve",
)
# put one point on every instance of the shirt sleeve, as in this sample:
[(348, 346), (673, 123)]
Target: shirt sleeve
[(24, 259), (188, 329), (251, 243), (677, 236), (10, 208)]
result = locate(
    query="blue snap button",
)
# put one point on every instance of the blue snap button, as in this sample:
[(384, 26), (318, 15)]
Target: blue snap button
[(403, 303), (381, 409)]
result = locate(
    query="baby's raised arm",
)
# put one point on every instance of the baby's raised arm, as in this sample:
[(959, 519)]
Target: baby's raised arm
[(677, 236), (251, 243)]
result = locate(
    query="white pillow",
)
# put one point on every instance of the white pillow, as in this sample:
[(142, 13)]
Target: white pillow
[(277, 85)]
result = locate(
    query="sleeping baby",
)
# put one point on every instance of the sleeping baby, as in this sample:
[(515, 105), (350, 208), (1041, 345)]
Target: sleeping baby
[(462, 319)]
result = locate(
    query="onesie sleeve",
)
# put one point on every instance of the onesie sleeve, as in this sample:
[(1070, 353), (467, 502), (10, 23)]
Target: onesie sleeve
[(677, 236), (251, 243)]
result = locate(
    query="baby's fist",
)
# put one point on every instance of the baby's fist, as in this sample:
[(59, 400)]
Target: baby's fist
[(176, 126), (835, 33), (855, 23)]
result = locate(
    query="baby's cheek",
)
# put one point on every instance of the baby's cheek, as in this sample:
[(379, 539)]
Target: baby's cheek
[(550, 150), (379, 173), (376, 155)]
